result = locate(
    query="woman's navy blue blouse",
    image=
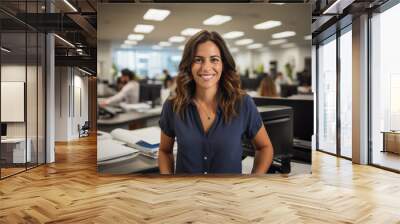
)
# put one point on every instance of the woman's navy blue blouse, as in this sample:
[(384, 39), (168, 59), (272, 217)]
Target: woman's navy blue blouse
[(218, 151)]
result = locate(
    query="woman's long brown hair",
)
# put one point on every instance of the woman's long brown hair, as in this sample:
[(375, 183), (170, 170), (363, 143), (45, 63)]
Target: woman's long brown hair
[(229, 93)]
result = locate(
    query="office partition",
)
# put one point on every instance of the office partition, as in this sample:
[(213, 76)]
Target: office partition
[(22, 78)]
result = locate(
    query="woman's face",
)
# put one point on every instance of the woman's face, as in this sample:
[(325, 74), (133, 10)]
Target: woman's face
[(207, 65)]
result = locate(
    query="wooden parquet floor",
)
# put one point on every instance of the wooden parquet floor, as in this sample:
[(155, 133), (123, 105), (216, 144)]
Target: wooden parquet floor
[(71, 191)]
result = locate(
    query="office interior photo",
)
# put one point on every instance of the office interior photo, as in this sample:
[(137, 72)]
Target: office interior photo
[(58, 72), (46, 81), (276, 51)]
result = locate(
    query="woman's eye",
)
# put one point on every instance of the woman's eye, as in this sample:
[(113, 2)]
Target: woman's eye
[(214, 60), (197, 60)]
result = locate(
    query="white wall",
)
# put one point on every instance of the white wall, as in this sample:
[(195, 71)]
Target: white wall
[(71, 87)]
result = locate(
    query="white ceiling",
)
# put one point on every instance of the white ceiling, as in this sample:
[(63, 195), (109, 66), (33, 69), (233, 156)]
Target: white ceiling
[(116, 21)]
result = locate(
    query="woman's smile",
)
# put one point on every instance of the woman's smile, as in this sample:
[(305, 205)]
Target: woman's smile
[(207, 77)]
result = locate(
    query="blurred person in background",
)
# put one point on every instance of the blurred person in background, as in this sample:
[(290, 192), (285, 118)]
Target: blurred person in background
[(129, 93), (267, 87)]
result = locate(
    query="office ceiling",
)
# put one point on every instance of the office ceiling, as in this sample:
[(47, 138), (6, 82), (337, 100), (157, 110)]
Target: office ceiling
[(116, 21)]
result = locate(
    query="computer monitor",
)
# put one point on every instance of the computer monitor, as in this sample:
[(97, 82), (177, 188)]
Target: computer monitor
[(3, 129), (303, 114), (249, 84), (288, 90), (278, 121), (149, 92)]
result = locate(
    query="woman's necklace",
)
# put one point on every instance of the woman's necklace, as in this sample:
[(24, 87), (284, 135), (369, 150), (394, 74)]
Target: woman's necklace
[(203, 108)]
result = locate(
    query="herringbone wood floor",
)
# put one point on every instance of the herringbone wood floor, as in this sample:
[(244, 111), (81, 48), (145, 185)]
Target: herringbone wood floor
[(71, 191)]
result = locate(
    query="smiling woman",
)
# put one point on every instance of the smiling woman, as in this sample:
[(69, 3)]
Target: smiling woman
[(210, 114)]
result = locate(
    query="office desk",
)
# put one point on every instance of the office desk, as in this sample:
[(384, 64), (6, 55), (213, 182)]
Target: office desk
[(130, 120), (125, 163), (278, 120), (13, 150), (136, 163)]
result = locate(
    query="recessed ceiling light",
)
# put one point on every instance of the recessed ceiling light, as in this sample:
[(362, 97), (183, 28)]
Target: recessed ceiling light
[(140, 28), (233, 50), (263, 49), (190, 31), (5, 49), (181, 48), (176, 39), (216, 20), (164, 44), (156, 47), (308, 37), (156, 14), (255, 46), (232, 34), (130, 42), (244, 42), (70, 5), (288, 45), (276, 42), (136, 37), (267, 25), (283, 34)]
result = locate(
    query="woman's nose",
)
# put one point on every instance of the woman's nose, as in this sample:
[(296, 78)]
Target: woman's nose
[(207, 65)]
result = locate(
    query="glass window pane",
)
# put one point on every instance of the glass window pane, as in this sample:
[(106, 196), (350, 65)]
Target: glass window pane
[(31, 96), (13, 84), (385, 84), (345, 94), (327, 97), (41, 98), (147, 63)]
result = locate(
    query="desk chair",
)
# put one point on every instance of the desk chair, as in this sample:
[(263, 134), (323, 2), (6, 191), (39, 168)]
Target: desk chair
[(84, 130)]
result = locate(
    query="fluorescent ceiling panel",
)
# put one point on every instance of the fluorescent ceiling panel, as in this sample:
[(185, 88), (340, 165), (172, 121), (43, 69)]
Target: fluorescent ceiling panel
[(156, 14), (136, 37), (190, 31), (283, 34), (244, 42), (176, 39), (267, 25), (233, 34), (141, 28), (130, 42), (233, 50), (217, 20), (255, 46)]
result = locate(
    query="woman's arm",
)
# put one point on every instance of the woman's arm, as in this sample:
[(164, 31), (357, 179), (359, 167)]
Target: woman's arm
[(264, 152), (165, 154)]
